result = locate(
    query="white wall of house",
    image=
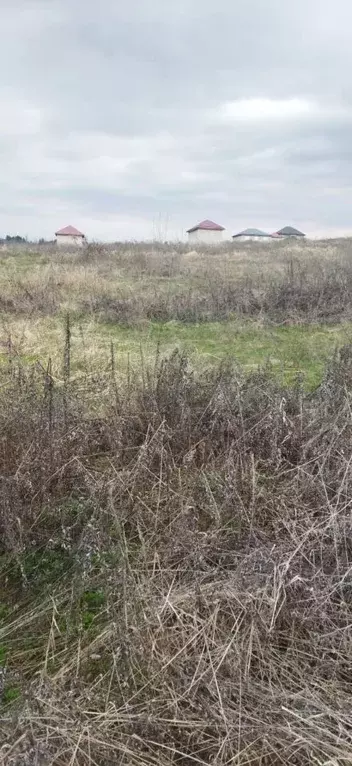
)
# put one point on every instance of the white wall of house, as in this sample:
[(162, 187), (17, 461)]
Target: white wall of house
[(206, 236), (68, 240), (248, 238)]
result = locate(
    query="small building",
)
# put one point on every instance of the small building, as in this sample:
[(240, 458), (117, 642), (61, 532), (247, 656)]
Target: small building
[(70, 237), (207, 232), (290, 231), (252, 235)]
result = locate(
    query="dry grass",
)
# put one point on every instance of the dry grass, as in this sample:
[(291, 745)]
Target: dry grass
[(283, 282), (237, 300), (176, 568)]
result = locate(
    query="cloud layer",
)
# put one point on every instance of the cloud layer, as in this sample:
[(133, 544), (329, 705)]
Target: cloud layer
[(136, 120)]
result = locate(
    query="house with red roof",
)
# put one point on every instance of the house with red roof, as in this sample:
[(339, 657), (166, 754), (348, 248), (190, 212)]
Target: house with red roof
[(69, 236), (207, 232)]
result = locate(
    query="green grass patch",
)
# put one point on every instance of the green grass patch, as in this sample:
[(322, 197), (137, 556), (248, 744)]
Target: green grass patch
[(10, 695), (289, 349), (92, 604), (38, 569)]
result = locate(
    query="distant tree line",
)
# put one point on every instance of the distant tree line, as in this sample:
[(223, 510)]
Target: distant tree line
[(16, 239)]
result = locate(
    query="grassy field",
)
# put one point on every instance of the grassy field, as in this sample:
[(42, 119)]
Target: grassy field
[(302, 349), (288, 305), (175, 506)]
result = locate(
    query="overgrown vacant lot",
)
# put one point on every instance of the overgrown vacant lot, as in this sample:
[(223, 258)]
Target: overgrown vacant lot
[(175, 530), (289, 303), (176, 568)]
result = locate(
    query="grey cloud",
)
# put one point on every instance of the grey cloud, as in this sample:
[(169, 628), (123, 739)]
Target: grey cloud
[(115, 109)]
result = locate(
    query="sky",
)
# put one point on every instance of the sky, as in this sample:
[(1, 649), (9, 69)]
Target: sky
[(135, 120)]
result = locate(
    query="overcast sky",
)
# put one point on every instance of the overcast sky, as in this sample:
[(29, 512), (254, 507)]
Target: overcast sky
[(137, 119)]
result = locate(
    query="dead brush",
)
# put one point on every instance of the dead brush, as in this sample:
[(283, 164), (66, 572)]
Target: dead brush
[(282, 283), (175, 570)]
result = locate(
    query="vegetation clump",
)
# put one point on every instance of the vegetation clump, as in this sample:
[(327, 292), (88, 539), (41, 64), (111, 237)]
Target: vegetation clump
[(175, 554)]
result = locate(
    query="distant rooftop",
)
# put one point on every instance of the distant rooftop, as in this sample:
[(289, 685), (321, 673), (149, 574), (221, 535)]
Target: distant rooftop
[(290, 231), (251, 233), (69, 231), (206, 225)]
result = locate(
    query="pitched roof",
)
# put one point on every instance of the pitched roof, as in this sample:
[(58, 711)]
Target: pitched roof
[(289, 231), (251, 233), (207, 225), (69, 231)]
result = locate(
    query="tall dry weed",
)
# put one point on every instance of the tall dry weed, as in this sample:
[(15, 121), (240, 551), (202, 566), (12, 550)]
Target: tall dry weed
[(176, 567)]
